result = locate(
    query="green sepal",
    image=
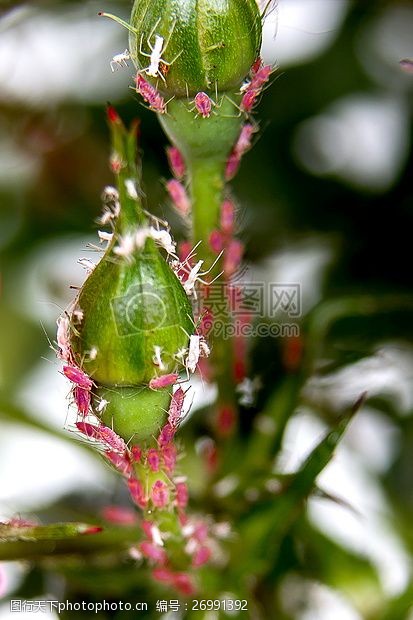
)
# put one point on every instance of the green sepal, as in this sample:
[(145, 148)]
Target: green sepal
[(135, 413)]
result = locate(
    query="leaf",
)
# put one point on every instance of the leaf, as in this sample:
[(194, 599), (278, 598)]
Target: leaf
[(327, 314), (266, 440), (56, 531), (23, 542), (399, 607), (261, 532)]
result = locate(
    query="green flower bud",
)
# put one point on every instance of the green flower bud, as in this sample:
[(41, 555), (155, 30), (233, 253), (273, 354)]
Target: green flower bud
[(136, 315), (132, 313), (188, 46), (136, 318)]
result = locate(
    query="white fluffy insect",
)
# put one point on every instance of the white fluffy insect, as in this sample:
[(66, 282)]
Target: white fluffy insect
[(63, 337), (136, 241), (110, 198), (189, 276), (157, 358), (247, 390), (141, 235), (190, 357), (120, 60), (156, 535), (157, 64), (126, 245), (77, 315), (164, 239), (102, 405), (105, 236), (110, 194), (195, 275), (93, 353), (131, 189)]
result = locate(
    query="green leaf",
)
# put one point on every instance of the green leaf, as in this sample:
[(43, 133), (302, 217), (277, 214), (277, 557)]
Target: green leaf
[(261, 531), (18, 542)]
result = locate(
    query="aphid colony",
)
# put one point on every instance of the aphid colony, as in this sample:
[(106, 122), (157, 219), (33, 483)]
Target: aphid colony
[(158, 68), (124, 248)]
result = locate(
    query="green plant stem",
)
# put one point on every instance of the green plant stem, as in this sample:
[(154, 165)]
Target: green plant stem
[(206, 183), (205, 144), (206, 186), (111, 539)]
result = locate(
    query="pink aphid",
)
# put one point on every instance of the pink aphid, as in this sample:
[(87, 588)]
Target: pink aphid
[(205, 322), (150, 94), (179, 197), (244, 140), (153, 460), (260, 78), (232, 257), (183, 583), (136, 453), (248, 101), (103, 434), (201, 556), (164, 575), (176, 162), (78, 377), (232, 166), (203, 104), (185, 251), (153, 552), (160, 494), (200, 533), (166, 435), (164, 381), (256, 66), (82, 399), (175, 408), (108, 436), (90, 430), (169, 455), (227, 217), (147, 529), (120, 461), (216, 241), (137, 492), (182, 495)]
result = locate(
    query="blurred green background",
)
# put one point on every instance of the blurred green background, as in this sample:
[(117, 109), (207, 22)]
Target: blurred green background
[(325, 199)]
